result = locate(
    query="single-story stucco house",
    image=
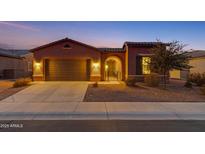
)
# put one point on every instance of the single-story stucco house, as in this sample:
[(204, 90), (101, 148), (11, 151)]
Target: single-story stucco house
[(196, 60), (68, 59), (15, 64)]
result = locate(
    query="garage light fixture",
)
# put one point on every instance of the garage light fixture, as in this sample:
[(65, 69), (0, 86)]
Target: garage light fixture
[(96, 65), (106, 67), (37, 65)]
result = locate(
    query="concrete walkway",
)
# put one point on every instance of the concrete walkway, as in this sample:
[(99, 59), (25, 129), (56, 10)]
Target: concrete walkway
[(102, 111)]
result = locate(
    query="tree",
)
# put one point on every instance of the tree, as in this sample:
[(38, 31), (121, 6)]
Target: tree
[(169, 57)]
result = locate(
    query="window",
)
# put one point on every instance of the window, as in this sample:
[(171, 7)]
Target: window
[(145, 65), (29, 66), (67, 46)]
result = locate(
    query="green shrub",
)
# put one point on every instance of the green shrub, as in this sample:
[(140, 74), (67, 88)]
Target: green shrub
[(197, 78), (152, 80), (188, 84), (203, 89), (21, 82)]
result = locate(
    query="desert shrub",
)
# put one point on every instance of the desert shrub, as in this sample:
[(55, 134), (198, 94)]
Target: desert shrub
[(131, 82), (188, 84), (95, 84), (21, 82), (203, 77), (197, 78), (203, 89), (152, 80)]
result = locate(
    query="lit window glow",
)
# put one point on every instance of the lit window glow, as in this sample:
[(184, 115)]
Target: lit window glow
[(145, 65)]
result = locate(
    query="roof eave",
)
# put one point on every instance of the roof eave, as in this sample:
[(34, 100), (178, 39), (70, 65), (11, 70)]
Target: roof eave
[(9, 56), (62, 40)]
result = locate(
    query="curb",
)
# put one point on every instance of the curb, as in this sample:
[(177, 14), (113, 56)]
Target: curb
[(109, 116)]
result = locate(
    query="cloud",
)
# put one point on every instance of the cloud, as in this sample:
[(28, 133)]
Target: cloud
[(20, 26)]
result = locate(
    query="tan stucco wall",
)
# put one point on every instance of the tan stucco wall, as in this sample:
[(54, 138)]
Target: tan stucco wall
[(16, 64), (105, 56), (11, 63), (57, 51), (133, 52), (38, 68), (175, 74), (126, 62), (198, 65), (29, 60)]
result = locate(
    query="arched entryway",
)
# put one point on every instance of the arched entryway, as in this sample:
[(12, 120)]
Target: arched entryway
[(113, 68)]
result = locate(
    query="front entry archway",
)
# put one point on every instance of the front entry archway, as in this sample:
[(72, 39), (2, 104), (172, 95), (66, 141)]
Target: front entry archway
[(113, 68)]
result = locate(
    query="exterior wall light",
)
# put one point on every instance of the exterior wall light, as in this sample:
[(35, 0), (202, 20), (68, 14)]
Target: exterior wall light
[(106, 67), (37, 64), (96, 65), (37, 68)]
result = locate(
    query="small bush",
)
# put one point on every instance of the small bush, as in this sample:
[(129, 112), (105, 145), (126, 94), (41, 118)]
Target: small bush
[(131, 82), (197, 78), (152, 80), (95, 84), (188, 84), (21, 82), (203, 89)]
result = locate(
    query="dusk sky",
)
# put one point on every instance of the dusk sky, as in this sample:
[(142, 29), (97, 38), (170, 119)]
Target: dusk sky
[(27, 35)]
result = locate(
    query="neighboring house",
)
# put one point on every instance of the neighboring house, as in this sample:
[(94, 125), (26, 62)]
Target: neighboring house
[(196, 60), (68, 59), (15, 64)]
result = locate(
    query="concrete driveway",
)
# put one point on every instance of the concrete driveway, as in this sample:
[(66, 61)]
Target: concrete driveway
[(50, 92), (64, 101)]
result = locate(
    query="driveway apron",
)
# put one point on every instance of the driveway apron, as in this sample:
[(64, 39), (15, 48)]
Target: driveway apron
[(50, 92)]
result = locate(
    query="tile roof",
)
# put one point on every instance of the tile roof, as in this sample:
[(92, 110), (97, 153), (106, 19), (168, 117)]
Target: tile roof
[(3, 54), (144, 43), (13, 53), (111, 49)]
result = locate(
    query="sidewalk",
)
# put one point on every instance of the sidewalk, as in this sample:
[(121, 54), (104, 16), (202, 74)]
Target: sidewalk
[(102, 111)]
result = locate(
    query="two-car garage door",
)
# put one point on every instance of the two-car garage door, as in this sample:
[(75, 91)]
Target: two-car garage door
[(67, 70)]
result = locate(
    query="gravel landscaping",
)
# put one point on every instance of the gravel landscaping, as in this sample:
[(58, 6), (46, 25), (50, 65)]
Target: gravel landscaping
[(10, 91), (6, 89), (175, 92)]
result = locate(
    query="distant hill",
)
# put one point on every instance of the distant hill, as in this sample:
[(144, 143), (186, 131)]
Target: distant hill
[(196, 53), (14, 52)]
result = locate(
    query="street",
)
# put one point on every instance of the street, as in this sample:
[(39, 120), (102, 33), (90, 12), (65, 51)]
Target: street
[(102, 126)]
